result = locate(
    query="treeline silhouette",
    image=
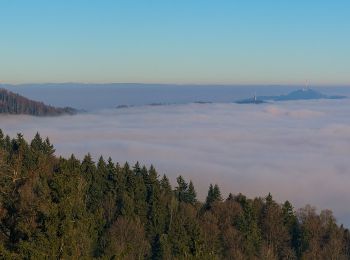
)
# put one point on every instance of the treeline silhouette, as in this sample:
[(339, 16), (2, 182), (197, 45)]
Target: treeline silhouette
[(11, 103), (57, 208)]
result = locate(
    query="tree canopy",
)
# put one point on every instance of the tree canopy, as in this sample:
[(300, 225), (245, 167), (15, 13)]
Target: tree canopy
[(63, 208)]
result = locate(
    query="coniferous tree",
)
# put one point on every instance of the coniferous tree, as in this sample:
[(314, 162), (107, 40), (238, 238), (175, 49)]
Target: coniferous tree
[(181, 189), (2, 141), (191, 194), (217, 193), (214, 195), (291, 222), (165, 185)]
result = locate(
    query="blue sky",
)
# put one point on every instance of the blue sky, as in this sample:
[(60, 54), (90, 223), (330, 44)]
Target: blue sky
[(182, 41)]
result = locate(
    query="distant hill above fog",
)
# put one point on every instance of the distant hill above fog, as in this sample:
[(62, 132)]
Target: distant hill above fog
[(12, 103), (301, 94), (253, 100)]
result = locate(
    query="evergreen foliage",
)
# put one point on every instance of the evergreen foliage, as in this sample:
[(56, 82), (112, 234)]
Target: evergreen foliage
[(57, 208)]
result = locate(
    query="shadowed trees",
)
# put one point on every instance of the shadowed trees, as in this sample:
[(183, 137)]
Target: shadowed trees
[(11, 103)]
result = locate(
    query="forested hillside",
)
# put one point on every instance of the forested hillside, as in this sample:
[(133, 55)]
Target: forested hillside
[(11, 103), (63, 208)]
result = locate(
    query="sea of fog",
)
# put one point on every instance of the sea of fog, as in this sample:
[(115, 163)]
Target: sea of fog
[(297, 150)]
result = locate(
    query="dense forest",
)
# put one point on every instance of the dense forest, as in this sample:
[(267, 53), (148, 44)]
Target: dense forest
[(63, 208), (11, 103)]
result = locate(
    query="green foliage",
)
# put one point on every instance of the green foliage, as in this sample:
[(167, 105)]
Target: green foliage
[(214, 195), (57, 208)]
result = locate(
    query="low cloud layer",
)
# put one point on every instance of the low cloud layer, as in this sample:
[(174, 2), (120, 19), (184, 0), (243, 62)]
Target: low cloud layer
[(296, 150)]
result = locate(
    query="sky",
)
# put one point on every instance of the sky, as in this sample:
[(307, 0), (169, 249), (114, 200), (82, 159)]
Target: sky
[(182, 41)]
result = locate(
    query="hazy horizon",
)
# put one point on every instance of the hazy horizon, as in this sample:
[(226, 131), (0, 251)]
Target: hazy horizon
[(96, 96), (52, 83)]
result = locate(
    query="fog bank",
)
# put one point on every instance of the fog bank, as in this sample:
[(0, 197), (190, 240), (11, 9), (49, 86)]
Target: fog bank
[(296, 150)]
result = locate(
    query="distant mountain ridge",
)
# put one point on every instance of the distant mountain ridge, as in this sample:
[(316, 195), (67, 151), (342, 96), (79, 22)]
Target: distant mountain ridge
[(12, 103), (301, 94)]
